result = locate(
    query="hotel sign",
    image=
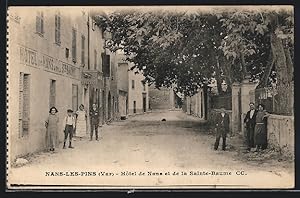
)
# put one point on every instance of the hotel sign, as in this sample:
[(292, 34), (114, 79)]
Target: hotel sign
[(30, 57)]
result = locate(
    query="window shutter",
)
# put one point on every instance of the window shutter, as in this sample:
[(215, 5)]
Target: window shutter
[(21, 104), (82, 49), (26, 104), (52, 93), (37, 23), (42, 22), (58, 24), (56, 29), (74, 45), (74, 97)]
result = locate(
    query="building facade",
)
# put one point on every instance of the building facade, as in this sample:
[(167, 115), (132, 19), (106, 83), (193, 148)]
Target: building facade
[(55, 58), (133, 91), (138, 96)]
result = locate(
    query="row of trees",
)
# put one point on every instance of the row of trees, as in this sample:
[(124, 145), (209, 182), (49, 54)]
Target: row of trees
[(188, 49)]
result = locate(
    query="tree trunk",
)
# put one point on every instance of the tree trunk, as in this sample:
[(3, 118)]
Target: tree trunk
[(226, 68), (268, 70), (218, 76), (283, 98)]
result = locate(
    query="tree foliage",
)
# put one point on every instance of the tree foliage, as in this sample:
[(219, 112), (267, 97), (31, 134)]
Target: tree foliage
[(187, 50)]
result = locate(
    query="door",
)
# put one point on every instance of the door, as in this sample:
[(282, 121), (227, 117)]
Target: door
[(134, 106), (109, 105)]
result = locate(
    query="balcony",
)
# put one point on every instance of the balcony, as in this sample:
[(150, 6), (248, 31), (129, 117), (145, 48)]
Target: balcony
[(92, 77)]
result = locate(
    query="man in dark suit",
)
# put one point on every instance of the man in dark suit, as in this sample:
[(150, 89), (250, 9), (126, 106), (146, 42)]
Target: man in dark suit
[(249, 122), (94, 114), (222, 128)]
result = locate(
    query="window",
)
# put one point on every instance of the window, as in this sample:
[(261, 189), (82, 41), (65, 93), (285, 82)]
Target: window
[(82, 50), (74, 97), (52, 93), (67, 52), (95, 59), (112, 71), (132, 84), (105, 64), (40, 23), (24, 102), (144, 86), (57, 28), (74, 32)]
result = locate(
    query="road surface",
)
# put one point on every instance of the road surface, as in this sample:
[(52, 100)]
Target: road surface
[(145, 151)]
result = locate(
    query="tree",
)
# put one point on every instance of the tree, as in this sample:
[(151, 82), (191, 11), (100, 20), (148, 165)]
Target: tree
[(189, 49)]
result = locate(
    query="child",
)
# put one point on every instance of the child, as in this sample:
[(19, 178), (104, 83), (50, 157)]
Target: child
[(51, 126), (69, 124)]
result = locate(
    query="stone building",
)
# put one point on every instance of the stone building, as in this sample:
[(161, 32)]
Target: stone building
[(133, 92), (56, 58)]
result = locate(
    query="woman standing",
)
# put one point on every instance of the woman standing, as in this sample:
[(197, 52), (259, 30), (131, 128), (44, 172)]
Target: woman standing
[(81, 122), (52, 127), (260, 132)]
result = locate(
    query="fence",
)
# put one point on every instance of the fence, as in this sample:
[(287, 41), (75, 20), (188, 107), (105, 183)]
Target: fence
[(273, 102), (266, 97), (224, 101)]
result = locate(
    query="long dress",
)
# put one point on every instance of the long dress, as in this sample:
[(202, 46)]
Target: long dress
[(260, 132), (51, 133), (81, 123)]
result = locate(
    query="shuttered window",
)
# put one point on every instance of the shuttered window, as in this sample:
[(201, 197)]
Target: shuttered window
[(40, 22), (24, 104), (57, 28), (52, 98), (74, 97), (105, 64), (74, 32), (82, 50)]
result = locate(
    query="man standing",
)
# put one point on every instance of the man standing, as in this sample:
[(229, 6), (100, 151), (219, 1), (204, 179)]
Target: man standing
[(94, 121), (222, 127), (249, 121)]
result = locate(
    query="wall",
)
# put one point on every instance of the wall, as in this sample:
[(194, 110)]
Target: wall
[(193, 105), (45, 61), (281, 133), (159, 99)]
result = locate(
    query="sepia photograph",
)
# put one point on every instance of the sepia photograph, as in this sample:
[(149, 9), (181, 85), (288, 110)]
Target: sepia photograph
[(150, 97)]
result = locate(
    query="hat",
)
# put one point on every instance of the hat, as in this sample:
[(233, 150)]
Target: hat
[(70, 110)]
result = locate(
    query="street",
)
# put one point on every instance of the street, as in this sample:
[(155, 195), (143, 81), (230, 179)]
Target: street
[(144, 143)]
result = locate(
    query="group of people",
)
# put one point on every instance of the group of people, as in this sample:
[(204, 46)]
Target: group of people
[(255, 124), (73, 124)]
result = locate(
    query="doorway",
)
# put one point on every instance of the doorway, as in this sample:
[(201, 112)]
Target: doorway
[(144, 102), (109, 106)]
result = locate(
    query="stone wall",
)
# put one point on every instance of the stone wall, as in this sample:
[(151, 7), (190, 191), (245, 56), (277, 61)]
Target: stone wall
[(281, 133), (159, 98)]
